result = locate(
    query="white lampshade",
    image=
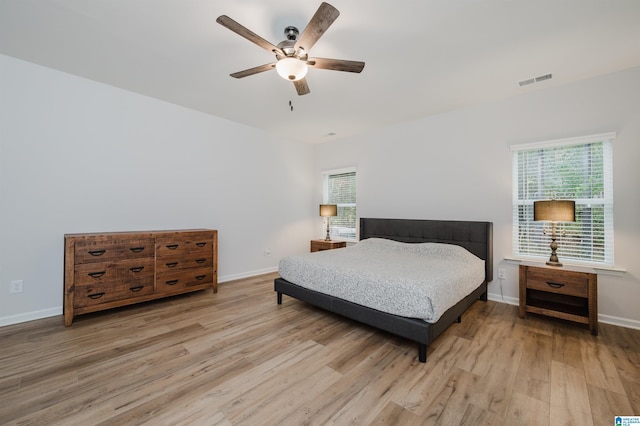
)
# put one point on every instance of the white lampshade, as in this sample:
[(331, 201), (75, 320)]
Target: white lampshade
[(291, 69)]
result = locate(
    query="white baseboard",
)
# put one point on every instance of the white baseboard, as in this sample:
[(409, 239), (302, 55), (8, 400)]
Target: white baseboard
[(605, 319), (499, 298), (247, 274), (30, 316), (621, 322)]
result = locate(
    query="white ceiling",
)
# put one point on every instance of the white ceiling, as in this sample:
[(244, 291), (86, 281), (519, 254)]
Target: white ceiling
[(422, 57)]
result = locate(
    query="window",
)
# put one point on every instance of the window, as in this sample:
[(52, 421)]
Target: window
[(578, 169), (340, 188)]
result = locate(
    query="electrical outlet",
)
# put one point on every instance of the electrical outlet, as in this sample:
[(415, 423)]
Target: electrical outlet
[(267, 252), (502, 274), (15, 286)]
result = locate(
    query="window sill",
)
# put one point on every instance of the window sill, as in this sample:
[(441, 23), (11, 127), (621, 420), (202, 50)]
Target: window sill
[(598, 269)]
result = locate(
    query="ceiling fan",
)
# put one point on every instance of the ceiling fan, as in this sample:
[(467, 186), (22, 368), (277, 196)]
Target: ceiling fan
[(292, 54)]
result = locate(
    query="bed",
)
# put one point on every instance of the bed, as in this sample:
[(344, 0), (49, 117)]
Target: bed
[(475, 237)]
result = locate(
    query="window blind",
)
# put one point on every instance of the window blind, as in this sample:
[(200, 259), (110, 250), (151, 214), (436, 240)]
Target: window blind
[(340, 189), (578, 169)]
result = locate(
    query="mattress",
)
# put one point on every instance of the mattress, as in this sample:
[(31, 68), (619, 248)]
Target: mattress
[(415, 280)]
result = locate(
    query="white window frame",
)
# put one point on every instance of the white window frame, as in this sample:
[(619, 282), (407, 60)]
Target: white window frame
[(334, 231), (526, 232)]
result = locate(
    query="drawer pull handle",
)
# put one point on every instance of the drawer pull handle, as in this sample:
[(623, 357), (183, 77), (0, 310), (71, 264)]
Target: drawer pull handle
[(96, 274), (136, 268), (172, 264), (201, 260), (136, 249), (96, 252), (136, 288), (172, 282), (172, 246), (95, 295), (201, 244), (555, 285), (201, 277)]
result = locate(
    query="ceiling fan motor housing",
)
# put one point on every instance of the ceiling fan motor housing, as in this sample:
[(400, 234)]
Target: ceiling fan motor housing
[(291, 33)]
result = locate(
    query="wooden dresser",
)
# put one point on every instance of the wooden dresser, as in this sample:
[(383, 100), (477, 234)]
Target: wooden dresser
[(107, 270)]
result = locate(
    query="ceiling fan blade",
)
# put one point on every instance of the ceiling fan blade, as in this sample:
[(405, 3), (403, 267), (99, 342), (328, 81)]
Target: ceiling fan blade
[(301, 86), (243, 31), (323, 18), (254, 70), (336, 64)]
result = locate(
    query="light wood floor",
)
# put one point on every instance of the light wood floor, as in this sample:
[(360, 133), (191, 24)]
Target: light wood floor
[(236, 357)]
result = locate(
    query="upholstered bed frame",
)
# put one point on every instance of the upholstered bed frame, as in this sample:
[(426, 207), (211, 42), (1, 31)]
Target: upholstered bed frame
[(477, 237)]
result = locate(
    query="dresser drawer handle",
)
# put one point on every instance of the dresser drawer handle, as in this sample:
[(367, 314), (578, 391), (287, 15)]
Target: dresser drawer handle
[(136, 288), (95, 295), (136, 249), (172, 246), (96, 252), (201, 244), (201, 260), (555, 285), (96, 274), (201, 277), (172, 282), (172, 264), (136, 268)]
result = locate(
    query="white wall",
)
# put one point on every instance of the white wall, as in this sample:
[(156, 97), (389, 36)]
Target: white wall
[(458, 166), (79, 156)]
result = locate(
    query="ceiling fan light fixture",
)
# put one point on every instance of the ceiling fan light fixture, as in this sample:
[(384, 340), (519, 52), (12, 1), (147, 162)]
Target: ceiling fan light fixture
[(291, 68)]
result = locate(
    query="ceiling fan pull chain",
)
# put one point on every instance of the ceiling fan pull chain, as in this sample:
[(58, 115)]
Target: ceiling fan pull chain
[(291, 105)]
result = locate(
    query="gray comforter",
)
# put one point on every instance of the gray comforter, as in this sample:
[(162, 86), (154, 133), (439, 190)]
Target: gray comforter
[(412, 280)]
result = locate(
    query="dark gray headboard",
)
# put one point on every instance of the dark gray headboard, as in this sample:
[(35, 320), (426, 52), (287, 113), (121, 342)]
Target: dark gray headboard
[(477, 237)]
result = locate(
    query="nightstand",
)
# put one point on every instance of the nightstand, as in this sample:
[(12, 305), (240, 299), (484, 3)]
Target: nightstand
[(565, 293), (319, 245)]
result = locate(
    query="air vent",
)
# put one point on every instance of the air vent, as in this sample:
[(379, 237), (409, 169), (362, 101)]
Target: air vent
[(535, 80), (543, 78)]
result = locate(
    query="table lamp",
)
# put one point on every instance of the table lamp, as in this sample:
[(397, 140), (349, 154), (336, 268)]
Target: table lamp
[(554, 211), (328, 210)]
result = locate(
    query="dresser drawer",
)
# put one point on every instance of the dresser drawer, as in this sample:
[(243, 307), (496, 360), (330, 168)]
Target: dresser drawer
[(181, 280), (190, 260), (193, 243), (104, 272), (558, 282), (102, 251), (101, 293)]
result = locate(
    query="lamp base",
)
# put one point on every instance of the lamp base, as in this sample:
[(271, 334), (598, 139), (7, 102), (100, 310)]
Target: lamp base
[(553, 259), (328, 237)]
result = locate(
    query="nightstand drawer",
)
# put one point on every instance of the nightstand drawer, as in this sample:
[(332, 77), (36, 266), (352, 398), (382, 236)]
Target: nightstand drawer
[(559, 282), (320, 245)]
